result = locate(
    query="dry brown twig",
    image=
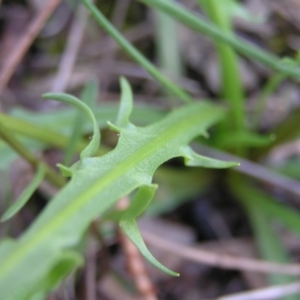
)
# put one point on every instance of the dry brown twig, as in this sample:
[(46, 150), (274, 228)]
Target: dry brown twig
[(107, 62), (91, 271), (69, 55), (269, 293), (254, 170), (25, 41), (135, 262), (220, 260)]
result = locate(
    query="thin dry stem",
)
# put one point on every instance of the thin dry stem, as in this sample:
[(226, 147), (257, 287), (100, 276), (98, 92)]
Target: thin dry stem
[(90, 274), (220, 260), (68, 58), (26, 40), (272, 292), (254, 170)]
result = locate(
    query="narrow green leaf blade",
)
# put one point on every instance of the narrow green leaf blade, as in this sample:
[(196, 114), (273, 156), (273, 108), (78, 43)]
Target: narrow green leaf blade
[(199, 24), (135, 54), (25, 196)]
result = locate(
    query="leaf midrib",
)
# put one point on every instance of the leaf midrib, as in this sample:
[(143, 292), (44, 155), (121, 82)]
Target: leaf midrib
[(81, 200)]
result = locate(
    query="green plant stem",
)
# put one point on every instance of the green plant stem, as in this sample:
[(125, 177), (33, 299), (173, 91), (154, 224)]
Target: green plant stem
[(230, 76), (26, 194), (135, 54), (195, 22), (55, 178)]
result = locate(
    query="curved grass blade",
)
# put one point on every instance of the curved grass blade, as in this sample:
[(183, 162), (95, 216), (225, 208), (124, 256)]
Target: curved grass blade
[(195, 22), (25, 196), (69, 261), (135, 54)]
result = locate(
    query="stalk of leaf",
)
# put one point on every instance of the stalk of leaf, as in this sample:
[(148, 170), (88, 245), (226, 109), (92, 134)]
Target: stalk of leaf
[(232, 89), (23, 152), (197, 23), (135, 54)]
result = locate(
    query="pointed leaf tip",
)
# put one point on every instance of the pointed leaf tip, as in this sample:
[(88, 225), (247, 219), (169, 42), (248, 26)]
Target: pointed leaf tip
[(193, 159), (113, 127), (128, 224), (93, 145), (66, 171), (131, 229), (126, 103)]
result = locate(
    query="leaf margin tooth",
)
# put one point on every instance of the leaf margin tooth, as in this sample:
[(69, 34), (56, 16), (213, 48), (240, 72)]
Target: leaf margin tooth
[(126, 104), (129, 225), (93, 146), (193, 159)]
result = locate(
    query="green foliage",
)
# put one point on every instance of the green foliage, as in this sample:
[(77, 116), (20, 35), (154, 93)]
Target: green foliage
[(134, 53), (232, 89), (128, 223), (197, 23), (96, 184), (241, 139), (263, 213), (89, 96), (101, 177)]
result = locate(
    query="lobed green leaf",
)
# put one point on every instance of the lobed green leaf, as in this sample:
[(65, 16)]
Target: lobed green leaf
[(96, 185)]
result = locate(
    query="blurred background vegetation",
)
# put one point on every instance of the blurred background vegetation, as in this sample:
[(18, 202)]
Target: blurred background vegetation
[(248, 212)]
